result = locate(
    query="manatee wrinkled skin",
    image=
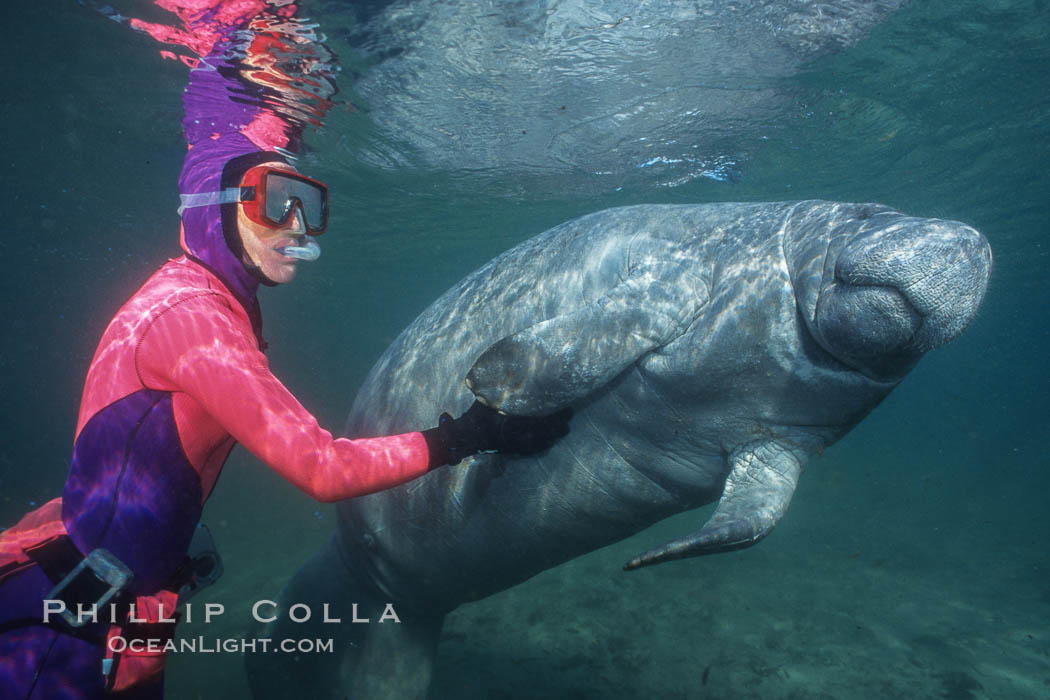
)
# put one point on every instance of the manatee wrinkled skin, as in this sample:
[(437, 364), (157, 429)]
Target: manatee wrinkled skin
[(708, 352)]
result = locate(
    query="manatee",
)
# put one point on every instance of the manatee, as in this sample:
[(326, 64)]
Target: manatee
[(708, 351)]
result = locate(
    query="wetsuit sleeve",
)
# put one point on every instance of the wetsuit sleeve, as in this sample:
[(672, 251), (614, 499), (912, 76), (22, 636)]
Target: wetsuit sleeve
[(202, 348)]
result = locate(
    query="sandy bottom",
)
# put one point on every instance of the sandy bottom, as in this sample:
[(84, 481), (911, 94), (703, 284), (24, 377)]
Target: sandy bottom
[(884, 600), (748, 625)]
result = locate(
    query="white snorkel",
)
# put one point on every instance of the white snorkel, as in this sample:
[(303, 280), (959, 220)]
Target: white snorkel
[(308, 251)]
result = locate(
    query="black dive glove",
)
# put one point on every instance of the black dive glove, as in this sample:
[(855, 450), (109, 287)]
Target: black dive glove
[(483, 429)]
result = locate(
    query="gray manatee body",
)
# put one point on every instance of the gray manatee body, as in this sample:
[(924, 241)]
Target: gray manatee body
[(707, 350)]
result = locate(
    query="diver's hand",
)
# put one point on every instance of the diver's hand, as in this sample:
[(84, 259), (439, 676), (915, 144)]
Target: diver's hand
[(483, 429)]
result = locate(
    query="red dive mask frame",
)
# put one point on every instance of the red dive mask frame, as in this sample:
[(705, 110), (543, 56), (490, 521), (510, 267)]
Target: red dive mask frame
[(269, 196)]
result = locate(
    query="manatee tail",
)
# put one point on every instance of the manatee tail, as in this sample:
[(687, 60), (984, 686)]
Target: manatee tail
[(761, 481), (381, 659)]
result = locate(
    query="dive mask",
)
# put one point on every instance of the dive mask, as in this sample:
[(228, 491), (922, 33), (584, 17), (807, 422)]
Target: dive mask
[(269, 196)]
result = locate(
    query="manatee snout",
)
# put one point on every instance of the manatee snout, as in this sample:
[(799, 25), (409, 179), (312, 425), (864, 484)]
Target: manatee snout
[(904, 289)]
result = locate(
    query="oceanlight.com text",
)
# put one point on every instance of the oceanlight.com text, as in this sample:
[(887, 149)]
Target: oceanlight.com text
[(230, 645)]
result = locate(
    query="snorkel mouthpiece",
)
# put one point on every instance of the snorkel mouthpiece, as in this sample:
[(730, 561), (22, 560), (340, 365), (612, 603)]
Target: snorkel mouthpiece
[(308, 251)]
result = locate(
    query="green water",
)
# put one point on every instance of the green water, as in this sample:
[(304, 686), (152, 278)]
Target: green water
[(913, 561)]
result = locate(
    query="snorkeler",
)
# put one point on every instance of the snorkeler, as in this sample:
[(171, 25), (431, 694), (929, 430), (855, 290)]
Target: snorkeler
[(178, 378)]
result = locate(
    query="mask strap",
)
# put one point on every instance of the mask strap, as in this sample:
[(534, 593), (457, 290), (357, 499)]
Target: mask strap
[(203, 199)]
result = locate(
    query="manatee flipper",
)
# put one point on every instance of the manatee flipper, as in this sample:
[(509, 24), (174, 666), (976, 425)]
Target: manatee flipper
[(553, 363), (372, 660), (761, 481)]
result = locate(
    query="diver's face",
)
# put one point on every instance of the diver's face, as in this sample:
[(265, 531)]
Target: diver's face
[(261, 243)]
